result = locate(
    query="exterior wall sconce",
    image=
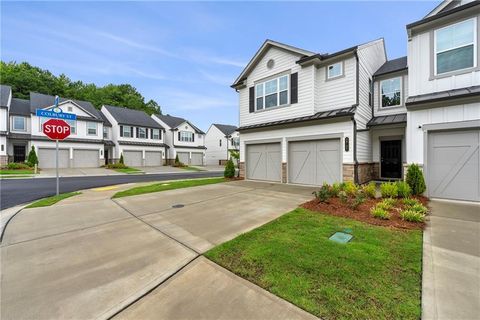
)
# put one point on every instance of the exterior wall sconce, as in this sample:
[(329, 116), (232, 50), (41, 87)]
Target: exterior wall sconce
[(347, 144)]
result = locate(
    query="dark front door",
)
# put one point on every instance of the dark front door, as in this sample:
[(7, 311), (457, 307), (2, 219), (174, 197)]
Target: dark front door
[(105, 153), (18, 153), (391, 159)]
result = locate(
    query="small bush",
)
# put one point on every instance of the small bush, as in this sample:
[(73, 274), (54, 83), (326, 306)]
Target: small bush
[(419, 208), (32, 158), (351, 188), (408, 202), (415, 179), (17, 166), (357, 201), (370, 189), (343, 196), (389, 190), (121, 161), (335, 189), (404, 190), (411, 215), (323, 194), (380, 213), (116, 166), (229, 169), (387, 203)]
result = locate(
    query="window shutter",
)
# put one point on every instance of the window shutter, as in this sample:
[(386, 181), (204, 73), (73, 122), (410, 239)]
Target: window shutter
[(121, 131), (251, 99), (193, 137), (146, 133), (160, 134), (131, 132), (294, 88), (136, 132), (178, 135)]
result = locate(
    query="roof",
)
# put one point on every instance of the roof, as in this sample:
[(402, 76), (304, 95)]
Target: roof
[(325, 56), (190, 147), (226, 129), (5, 92), (390, 119), (20, 107), (41, 101), (106, 123), (349, 111), (26, 136), (174, 122), (443, 95), (145, 144), (443, 13), (132, 117), (390, 66)]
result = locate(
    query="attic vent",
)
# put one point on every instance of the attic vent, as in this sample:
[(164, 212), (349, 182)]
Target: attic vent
[(270, 63), (69, 108)]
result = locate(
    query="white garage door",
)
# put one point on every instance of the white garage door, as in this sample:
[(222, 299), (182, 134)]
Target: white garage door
[(264, 162), (153, 158), (314, 162), (453, 167), (197, 159), (132, 158), (85, 158), (183, 157), (46, 158)]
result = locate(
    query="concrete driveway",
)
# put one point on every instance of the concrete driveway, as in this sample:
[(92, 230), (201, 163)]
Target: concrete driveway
[(451, 262), (137, 257)]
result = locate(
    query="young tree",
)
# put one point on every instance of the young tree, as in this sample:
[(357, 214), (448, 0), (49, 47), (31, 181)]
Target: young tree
[(236, 155), (229, 169), (121, 159), (415, 179), (32, 158)]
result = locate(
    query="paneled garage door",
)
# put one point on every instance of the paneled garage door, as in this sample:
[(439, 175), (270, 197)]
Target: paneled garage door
[(453, 165), (153, 158), (85, 158), (132, 158), (46, 158), (183, 157), (197, 158), (314, 162), (264, 162)]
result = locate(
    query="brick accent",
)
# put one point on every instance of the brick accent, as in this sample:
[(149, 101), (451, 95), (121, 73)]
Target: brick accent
[(348, 172), (376, 171), (366, 172), (222, 162), (284, 172), (242, 170)]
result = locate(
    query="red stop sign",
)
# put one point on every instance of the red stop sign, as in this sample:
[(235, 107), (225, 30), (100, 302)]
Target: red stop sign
[(56, 129)]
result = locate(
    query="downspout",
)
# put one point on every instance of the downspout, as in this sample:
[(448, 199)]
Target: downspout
[(355, 160)]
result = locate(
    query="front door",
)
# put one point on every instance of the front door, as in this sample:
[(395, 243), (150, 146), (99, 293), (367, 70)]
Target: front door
[(391, 159), (105, 153), (18, 153)]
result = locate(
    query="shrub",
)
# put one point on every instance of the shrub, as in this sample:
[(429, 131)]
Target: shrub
[(380, 213), (116, 166), (32, 158), (229, 169), (17, 166), (387, 203), (343, 196), (358, 200), (370, 189), (415, 179), (408, 202), (121, 161), (350, 188), (404, 190), (411, 215), (335, 189), (418, 208), (323, 194), (389, 190)]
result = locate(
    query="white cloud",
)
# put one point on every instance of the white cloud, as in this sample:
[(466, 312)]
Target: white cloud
[(174, 99), (134, 44)]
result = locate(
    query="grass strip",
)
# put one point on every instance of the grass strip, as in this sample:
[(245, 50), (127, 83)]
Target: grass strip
[(45, 202)]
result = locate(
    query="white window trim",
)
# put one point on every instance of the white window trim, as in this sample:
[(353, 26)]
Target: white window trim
[(156, 136), (89, 128), (435, 52), (130, 135), (337, 76), (277, 93), (24, 123), (381, 93), (183, 136), (105, 132), (139, 133)]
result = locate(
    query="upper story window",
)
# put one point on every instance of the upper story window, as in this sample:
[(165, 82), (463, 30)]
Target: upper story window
[(455, 46), (220, 142), (142, 133), (391, 91), (91, 128), (335, 70), (19, 123), (186, 136), (236, 142), (156, 134), (105, 132), (271, 93), (126, 131)]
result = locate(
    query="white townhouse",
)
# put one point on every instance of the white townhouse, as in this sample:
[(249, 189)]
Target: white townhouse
[(136, 136), (83, 148), (183, 139), (5, 102), (220, 139)]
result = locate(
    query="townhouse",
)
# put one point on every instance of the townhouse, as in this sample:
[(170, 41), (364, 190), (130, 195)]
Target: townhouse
[(183, 139), (308, 118), (220, 139)]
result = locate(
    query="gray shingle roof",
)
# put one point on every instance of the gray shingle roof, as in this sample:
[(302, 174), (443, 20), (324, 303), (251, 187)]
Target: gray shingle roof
[(5, 92), (40, 101), (145, 144), (392, 66), (20, 107), (174, 122), (443, 95), (390, 119), (132, 117), (106, 123), (225, 128)]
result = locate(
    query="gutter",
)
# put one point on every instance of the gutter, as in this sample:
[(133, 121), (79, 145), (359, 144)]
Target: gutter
[(355, 160)]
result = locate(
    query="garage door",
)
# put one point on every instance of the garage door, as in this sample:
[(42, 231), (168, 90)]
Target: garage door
[(46, 158), (153, 158), (197, 158), (85, 158), (183, 157), (132, 158), (453, 165), (314, 162), (264, 162)]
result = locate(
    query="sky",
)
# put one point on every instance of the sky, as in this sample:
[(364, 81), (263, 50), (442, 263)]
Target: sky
[(185, 55)]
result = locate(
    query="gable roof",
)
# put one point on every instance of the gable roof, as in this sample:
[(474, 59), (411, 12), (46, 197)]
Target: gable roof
[(174, 122), (390, 66), (20, 107), (132, 117), (225, 128), (5, 93), (40, 101), (106, 123)]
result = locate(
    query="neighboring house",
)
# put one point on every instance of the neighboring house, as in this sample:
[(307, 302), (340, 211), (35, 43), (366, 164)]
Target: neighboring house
[(5, 101), (183, 138), (136, 136), (219, 140)]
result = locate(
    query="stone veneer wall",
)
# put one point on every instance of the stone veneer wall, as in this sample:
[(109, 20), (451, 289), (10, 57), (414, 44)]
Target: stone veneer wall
[(3, 160), (284, 172), (242, 170)]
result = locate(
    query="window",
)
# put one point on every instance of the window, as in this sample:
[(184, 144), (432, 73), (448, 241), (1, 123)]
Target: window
[(142, 133), (455, 47), (91, 128), (185, 136), (105, 132), (272, 93), (220, 142), (236, 142), (335, 70), (19, 123), (127, 132), (391, 92), (156, 134)]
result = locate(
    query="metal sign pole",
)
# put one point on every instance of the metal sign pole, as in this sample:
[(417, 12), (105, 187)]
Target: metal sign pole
[(56, 166)]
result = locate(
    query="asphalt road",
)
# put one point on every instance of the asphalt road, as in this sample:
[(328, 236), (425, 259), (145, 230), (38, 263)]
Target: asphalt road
[(18, 191)]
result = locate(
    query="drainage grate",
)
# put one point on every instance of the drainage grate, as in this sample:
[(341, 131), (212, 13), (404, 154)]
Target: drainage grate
[(178, 206), (341, 237)]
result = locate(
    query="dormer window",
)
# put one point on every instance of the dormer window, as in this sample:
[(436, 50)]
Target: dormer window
[(335, 70), (271, 93), (391, 91), (455, 47)]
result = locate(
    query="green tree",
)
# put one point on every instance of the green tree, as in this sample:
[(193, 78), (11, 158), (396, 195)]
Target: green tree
[(229, 169), (415, 179), (121, 159), (32, 158)]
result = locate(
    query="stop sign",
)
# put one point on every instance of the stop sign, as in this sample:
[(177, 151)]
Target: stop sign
[(56, 129)]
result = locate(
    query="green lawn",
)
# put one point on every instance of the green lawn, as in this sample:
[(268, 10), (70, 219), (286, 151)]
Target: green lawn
[(163, 186), (128, 170), (375, 276), (45, 202), (6, 171)]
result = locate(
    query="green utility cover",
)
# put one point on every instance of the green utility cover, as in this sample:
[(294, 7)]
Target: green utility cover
[(341, 237)]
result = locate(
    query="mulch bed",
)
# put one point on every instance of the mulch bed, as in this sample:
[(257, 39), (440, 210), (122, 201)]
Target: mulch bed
[(335, 207)]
